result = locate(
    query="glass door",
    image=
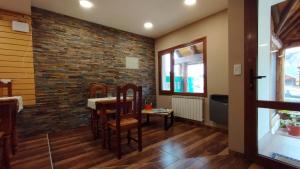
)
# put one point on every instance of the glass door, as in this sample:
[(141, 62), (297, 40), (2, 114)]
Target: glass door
[(273, 106)]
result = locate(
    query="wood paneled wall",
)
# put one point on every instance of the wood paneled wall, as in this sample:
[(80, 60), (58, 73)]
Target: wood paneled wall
[(16, 56)]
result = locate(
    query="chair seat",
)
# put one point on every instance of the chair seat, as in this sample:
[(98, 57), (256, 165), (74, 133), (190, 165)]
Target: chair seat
[(125, 123)]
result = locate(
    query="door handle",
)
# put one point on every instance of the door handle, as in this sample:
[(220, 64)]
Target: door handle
[(259, 77), (253, 78)]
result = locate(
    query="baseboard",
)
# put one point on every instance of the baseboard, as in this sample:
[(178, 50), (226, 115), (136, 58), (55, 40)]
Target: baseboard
[(198, 123), (236, 154), (189, 121)]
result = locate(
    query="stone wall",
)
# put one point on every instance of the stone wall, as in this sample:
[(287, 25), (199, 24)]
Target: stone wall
[(69, 54)]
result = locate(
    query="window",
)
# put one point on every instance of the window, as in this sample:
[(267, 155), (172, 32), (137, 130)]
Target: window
[(182, 69), (292, 74)]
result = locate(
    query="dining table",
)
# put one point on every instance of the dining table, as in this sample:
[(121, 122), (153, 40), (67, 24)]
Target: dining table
[(13, 118), (19, 100), (102, 108)]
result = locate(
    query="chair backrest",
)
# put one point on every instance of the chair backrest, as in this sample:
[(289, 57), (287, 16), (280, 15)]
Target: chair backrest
[(8, 112), (129, 105), (8, 86), (97, 90)]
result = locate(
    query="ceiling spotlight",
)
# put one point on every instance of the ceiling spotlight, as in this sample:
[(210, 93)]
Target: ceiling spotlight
[(190, 2), (148, 25), (86, 3)]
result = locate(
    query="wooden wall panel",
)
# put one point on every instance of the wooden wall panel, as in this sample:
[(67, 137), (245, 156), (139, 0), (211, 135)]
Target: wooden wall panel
[(16, 56)]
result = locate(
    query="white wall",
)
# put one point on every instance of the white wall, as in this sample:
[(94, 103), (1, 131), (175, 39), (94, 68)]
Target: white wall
[(236, 83)]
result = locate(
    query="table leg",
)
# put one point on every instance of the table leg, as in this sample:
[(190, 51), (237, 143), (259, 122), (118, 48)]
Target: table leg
[(166, 122), (94, 123), (148, 118), (103, 127), (167, 126), (97, 125), (172, 119)]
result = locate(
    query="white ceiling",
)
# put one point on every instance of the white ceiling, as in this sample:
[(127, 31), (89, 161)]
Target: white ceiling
[(20, 6), (130, 15)]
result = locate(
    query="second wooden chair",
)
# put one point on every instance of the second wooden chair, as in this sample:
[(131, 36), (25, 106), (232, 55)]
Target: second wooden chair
[(7, 86), (128, 116)]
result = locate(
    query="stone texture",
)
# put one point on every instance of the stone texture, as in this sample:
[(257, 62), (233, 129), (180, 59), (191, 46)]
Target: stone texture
[(69, 54)]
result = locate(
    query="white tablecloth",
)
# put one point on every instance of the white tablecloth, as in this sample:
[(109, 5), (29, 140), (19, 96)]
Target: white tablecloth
[(19, 98), (92, 102)]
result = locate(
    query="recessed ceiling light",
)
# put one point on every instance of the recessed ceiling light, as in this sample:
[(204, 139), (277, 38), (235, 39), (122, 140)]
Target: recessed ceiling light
[(86, 3), (148, 25), (190, 2)]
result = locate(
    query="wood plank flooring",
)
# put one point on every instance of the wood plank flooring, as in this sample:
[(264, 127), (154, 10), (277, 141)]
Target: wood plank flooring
[(182, 146)]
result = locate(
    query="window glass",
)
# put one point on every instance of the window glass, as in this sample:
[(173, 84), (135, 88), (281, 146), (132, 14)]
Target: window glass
[(189, 69), (183, 69), (292, 74), (165, 72)]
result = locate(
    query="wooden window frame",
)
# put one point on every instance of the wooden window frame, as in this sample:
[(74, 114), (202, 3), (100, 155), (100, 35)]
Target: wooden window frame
[(171, 51)]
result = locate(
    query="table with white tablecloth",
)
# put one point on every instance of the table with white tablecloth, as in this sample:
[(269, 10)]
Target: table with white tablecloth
[(18, 98), (100, 107)]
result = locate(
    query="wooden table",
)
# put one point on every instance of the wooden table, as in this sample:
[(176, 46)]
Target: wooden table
[(99, 107), (166, 113), (13, 120), (18, 98)]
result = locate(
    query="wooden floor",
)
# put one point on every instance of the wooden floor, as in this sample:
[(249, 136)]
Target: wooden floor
[(182, 146)]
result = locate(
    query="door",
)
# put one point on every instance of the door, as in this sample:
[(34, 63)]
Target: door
[(272, 83)]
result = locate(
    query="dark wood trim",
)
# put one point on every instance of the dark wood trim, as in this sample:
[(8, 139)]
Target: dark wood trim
[(251, 103), (250, 45), (236, 154), (278, 105), (171, 51)]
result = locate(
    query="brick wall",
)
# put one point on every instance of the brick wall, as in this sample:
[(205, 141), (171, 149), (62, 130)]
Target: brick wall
[(69, 54)]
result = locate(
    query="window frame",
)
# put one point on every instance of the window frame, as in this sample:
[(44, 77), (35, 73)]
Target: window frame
[(171, 52)]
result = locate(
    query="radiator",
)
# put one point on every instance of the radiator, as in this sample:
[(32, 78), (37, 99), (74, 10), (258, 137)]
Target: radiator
[(188, 107)]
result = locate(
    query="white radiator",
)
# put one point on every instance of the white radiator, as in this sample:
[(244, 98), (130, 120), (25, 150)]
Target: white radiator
[(188, 107)]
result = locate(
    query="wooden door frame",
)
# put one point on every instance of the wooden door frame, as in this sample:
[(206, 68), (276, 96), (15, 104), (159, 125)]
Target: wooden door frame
[(251, 104)]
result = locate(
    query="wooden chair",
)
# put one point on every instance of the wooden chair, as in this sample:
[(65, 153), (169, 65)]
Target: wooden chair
[(94, 91), (128, 116), (8, 86), (8, 111), (97, 90)]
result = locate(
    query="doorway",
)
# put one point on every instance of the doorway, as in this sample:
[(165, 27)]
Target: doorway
[(272, 83)]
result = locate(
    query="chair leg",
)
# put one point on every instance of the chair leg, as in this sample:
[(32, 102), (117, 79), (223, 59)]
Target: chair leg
[(140, 146), (97, 121), (91, 124), (103, 135), (109, 138), (12, 144), (128, 137), (119, 149), (6, 155)]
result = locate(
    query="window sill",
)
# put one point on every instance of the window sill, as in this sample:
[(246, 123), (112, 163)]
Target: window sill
[(182, 94)]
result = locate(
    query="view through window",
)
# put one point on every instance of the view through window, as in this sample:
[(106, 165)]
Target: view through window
[(292, 74), (182, 69)]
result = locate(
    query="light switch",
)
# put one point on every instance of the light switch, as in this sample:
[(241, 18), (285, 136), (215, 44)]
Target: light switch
[(237, 69)]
